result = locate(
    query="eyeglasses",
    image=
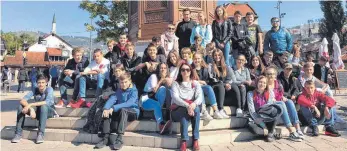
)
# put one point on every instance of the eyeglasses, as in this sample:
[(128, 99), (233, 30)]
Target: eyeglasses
[(185, 70), (171, 28)]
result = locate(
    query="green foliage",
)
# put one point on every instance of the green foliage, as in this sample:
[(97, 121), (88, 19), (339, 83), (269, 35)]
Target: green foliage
[(333, 21), (14, 42), (111, 16)]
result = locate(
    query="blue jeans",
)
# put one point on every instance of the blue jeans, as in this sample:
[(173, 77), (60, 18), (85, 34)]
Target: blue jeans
[(293, 114), (226, 51), (208, 91), (285, 115), (311, 118), (181, 115), (156, 106), (83, 80), (42, 114), (63, 88)]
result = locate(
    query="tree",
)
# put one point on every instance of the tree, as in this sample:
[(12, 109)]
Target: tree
[(14, 42), (333, 21), (112, 17)]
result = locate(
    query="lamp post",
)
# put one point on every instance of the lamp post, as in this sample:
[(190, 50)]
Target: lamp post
[(310, 21), (280, 15)]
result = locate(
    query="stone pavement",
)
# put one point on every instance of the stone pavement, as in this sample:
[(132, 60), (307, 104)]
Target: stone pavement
[(10, 102)]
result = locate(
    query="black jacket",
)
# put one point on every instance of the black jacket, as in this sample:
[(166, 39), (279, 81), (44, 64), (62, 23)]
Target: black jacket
[(115, 55), (23, 75), (318, 72), (130, 63), (204, 74), (183, 32), (290, 87), (240, 32), (77, 67), (221, 32), (160, 51)]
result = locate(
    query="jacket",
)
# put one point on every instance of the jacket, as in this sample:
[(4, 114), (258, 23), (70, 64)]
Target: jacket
[(130, 63), (240, 32), (160, 51), (229, 78), (222, 32), (115, 55), (306, 100), (278, 41), (205, 33), (204, 74), (317, 72), (183, 32), (290, 88), (124, 99), (76, 67), (164, 44), (22, 75)]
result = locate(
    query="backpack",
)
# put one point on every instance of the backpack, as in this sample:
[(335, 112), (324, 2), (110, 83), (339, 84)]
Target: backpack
[(94, 118)]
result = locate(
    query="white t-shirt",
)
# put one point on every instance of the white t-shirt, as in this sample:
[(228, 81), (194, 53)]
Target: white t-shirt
[(104, 67), (173, 72), (151, 83)]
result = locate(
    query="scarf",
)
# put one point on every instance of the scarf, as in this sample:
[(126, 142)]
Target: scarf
[(260, 99), (169, 37), (122, 48)]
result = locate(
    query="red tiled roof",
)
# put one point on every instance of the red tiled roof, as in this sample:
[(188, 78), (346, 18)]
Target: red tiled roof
[(231, 8), (34, 59), (54, 51)]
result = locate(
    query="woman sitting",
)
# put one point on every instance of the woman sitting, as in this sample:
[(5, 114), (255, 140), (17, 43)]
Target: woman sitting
[(156, 88), (222, 81), (243, 81), (173, 61), (187, 95), (203, 71), (256, 68)]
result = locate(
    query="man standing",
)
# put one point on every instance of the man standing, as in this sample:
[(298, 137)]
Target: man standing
[(93, 76), (255, 33), (41, 109), (71, 72), (278, 40), (184, 29)]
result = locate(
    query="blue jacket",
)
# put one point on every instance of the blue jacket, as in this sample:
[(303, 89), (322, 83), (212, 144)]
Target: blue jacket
[(279, 41), (124, 99), (204, 32)]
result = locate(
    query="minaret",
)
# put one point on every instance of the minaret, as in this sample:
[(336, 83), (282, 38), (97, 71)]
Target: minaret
[(54, 28)]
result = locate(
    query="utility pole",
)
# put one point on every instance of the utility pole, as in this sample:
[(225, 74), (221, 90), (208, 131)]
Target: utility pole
[(280, 15), (90, 41)]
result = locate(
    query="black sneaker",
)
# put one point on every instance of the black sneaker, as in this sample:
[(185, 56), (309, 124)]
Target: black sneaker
[(270, 137), (118, 144), (294, 137), (331, 131), (102, 143), (315, 131)]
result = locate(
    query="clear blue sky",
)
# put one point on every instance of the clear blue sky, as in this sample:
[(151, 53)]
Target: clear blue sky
[(37, 15)]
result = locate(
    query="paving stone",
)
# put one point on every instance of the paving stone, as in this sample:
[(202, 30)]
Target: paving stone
[(285, 147), (220, 147), (245, 148), (268, 146), (300, 145)]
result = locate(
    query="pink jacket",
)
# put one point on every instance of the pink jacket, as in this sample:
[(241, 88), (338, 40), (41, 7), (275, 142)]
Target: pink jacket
[(164, 43)]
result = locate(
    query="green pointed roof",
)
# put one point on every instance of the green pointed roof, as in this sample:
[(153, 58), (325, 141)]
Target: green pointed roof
[(54, 18)]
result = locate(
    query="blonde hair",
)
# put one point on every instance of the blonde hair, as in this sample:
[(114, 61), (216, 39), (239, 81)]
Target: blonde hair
[(77, 50), (225, 14), (125, 76), (111, 42), (186, 50)]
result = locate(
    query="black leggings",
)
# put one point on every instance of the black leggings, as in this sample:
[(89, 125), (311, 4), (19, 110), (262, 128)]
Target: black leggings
[(219, 91), (118, 121), (235, 94)]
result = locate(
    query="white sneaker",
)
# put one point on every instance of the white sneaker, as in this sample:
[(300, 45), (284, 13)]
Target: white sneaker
[(239, 112), (300, 134), (217, 115), (222, 112), (204, 115)]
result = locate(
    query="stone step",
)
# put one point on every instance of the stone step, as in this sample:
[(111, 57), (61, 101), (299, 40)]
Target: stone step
[(281, 129), (83, 112), (152, 140), (142, 125)]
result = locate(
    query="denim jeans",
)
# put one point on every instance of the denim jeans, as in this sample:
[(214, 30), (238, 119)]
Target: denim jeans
[(285, 115), (226, 51), (181, 115), (63, 85), (83, 80), (42, 114), (156, 106), (311, 118), (293, 114), (208, 91)]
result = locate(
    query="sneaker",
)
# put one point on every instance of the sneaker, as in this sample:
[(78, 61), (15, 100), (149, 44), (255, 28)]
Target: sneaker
[(183, 146), (196, 146), (39, 138), (300, 134), (206, 117), (239, 112), (80, 103), (222, 112), (217, 115), (270, 137), (16, 138), (102, 143), (163, 127), (118, 144), (89, 104), (70, 103), (315, 131), (294, 137), (331, 131), (60, 104)]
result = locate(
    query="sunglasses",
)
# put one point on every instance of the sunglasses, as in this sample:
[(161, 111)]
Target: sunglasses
[(171, 28), (185, 70), (275, 21)]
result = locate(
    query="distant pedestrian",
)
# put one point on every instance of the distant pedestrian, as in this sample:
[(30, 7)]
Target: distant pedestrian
[(54, 73), (22, 77)]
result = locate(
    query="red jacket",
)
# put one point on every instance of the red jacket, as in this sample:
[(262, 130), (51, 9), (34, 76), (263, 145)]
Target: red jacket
[(317, 97)]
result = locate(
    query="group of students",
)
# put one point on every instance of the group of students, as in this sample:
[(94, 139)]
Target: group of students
[(186, 69)]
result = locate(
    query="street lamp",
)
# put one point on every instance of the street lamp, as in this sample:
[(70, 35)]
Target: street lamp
[(310, 21), (280, 15)]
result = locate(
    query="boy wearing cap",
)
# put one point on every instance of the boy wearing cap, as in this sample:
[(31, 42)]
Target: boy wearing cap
[(321, 71), (288, 82)]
